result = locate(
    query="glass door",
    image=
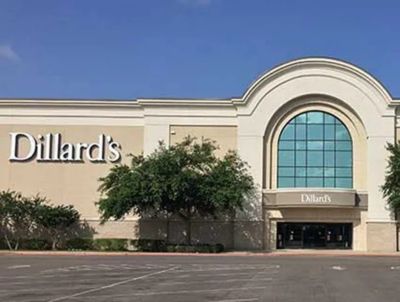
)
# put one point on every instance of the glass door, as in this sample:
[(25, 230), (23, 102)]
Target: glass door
[(293, 235)]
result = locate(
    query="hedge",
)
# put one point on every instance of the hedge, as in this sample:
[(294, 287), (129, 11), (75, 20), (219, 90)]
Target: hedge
[(118, 244)]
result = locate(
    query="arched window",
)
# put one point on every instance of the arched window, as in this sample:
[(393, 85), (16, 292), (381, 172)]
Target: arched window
[(315, 150)]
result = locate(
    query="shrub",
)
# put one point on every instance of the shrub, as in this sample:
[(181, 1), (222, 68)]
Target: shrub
[(56, 221), (83, 244), (198, 248), (34, 221), (110, 244), (35, 244), (17, 217), (148, 245)]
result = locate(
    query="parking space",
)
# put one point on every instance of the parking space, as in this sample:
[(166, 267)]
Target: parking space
[(195, 278)]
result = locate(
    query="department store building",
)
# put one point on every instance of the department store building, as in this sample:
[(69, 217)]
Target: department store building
[(312, 130)]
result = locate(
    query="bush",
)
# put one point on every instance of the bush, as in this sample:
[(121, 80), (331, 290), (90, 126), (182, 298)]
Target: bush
[(83, 244), (35, 244), (25, 221), (110, 244), (148, 245), (198, 248)]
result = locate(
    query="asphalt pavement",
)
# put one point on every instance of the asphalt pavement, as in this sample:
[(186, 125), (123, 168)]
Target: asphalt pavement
[(199, 278)]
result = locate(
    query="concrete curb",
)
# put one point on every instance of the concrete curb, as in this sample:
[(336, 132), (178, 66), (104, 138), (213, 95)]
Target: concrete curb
[(307, 253)]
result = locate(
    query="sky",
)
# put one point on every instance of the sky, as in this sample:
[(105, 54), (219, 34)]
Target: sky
[(128, 49)]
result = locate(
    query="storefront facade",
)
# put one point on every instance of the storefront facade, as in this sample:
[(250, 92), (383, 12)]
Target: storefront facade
[(312, 130)]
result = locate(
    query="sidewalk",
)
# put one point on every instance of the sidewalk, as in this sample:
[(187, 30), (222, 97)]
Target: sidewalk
[(309, 253)]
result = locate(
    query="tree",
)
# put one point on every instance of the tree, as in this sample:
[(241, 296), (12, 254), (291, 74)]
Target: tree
[(185, 179), (17, 217), (25, 218), (391, 188), (57, 221)]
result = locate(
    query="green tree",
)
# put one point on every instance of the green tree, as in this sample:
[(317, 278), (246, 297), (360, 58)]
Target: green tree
[(186, 179), (17, 217), (57, 222), (391, 188)]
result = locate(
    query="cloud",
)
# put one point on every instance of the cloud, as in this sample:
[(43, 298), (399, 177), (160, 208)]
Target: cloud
[(196, 2), (7, 53)]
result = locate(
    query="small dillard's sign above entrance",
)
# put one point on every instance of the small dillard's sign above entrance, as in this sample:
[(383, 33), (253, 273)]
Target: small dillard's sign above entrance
[(315, 198), (297, 198), (51, 148)]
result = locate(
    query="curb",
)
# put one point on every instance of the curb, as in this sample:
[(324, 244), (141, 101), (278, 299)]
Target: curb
[(225, 254)]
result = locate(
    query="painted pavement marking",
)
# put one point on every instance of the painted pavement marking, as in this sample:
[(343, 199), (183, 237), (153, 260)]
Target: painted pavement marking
[(112, 285), (19, 266), (239, 300), (177, 292), (215, 281), (338, 268)]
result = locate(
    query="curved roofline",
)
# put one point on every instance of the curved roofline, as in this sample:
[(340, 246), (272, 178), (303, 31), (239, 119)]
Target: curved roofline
[(321, 60)]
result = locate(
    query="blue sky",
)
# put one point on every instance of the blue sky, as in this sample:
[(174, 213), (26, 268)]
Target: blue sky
[(127, 49)]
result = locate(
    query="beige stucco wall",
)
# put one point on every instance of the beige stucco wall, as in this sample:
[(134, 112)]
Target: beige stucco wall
[(381, 236), (63, 182), (225, 137)]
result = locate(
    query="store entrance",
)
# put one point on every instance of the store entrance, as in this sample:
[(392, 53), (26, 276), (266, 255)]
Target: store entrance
[(314, 235)]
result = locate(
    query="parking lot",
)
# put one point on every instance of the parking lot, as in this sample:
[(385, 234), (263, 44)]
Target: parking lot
[(199, 278)]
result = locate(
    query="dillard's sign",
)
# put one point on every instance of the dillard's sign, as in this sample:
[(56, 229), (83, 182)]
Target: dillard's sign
[(51, 148), (315, 198)]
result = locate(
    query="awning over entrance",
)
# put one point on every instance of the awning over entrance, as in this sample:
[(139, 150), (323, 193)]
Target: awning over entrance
[(314, 198)]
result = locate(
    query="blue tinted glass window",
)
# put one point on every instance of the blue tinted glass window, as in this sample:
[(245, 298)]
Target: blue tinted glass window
[(315, 117), (329, 132), (329, 182), (286, 182), (286, 145), (301, 159), (286, 171), (343, 182), (315, 158), (315, 150), (301, 172), (300, 182), (315, 182), (288, 133), (315, 145), (329, 119), (286, 158), (341, 132), (301, 145), (315, 172), (301, 132), (315, 132), (329, 172), (343, 159), (329, 159), (329, 145), (343, 145)]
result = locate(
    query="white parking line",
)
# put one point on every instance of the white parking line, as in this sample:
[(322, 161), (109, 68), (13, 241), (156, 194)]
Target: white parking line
[(19, 266), (215, 281), (233, 274), (238, 300), (178, 292), (230, 268), (111, 285), (338, 268)]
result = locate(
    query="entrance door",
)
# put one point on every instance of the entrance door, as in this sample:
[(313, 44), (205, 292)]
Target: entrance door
[(314, 235)]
